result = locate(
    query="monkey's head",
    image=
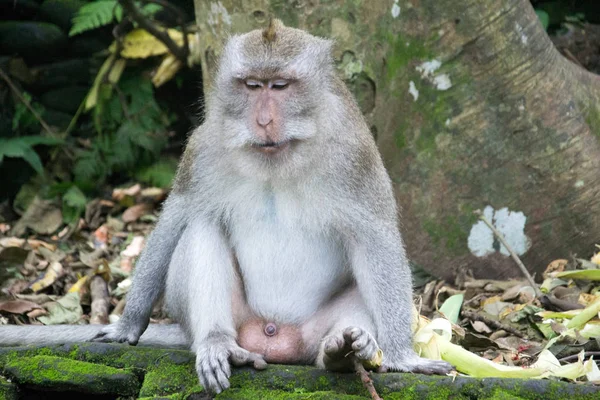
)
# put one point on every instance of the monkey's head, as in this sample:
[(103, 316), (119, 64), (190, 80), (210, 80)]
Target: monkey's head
[(270, 91)]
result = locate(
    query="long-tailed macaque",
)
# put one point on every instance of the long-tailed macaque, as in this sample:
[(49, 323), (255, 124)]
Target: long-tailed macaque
[(279, 241)]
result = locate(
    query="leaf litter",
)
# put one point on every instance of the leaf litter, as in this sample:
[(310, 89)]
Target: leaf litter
[(485, 328)]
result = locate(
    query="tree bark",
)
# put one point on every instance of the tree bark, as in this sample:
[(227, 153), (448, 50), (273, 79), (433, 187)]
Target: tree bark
[(472, 107)]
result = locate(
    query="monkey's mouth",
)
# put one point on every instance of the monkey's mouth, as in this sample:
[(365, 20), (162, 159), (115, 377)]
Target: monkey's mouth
[(272, 147)]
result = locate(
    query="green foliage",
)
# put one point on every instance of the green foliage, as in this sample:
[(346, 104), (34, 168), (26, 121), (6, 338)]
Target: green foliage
[(103, 12), (159, 174), (23, 119), (544, 18), (22, 147), (136, 135), (94, 15), (74, 202)]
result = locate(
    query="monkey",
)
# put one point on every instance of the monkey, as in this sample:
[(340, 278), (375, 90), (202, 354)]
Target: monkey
[(279, 241)]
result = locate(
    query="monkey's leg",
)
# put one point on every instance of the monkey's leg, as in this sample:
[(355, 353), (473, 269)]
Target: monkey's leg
[(149, 276), (383, 277), (199, 292)]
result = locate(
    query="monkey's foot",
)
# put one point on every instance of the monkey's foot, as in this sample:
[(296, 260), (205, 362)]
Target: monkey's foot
[(213, 358), (418, 365), (352, 340), (120, 332)]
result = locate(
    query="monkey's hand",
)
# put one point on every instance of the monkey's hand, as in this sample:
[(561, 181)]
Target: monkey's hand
[(411, 362), (121, 332), (213, 358)]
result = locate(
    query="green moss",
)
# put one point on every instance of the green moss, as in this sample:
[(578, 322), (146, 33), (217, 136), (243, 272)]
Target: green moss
[(253, 394), (592, 118), (402, 51), (168, 378), (8, 390), (56, 373), (449, 232)]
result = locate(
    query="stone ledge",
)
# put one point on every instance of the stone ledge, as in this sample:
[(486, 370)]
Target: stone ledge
[(121, 371)]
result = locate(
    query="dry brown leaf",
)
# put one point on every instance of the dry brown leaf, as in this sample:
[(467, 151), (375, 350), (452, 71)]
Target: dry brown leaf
[(37, 313), (102, 235), (555, 266), (133, 213), (119, 194), (4, 228), (18, 306)]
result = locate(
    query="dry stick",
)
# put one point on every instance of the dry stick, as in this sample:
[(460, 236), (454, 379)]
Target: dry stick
[(515, 257), (100, 300), (365, 378), (474, 316), (23, 100)]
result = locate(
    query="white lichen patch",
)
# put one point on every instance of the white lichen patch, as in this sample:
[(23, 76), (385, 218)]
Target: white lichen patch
[(412, 89), (442, 82), (427, 71), (428, 68), (218, 14), (395, 9), (511, 224), (579, 184)]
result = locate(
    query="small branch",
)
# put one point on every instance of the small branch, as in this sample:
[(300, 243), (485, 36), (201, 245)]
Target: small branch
[(179, 16), (134, 13), (576, 356), (100, 300), (474, 316), (365, 378), (515, 257), (23, 100)]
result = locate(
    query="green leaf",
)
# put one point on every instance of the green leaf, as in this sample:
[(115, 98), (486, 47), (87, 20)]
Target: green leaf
[(451, 307), (22, 147), (93, 15), (587, 274), (74, 202), (544, 18)]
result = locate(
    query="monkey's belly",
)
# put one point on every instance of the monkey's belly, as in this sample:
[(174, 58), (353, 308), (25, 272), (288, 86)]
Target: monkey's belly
[(278, 343)]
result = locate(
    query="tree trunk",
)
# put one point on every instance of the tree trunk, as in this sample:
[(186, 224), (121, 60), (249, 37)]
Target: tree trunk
[(473, 108)]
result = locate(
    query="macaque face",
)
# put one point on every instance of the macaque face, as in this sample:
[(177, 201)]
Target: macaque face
[(268, 99)]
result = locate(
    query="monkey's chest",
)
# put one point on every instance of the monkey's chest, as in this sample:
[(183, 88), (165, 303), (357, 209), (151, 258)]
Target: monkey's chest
[(288, 272)]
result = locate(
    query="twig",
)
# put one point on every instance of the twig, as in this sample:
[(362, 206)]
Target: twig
[(474, 316), (100, 302), (23, 100), (576, 356), (515, 257), (179, 16), (365, 378), (134, 13)]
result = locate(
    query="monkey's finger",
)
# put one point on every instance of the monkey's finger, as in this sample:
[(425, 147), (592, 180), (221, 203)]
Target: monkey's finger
[(239, 357), (259, 363)]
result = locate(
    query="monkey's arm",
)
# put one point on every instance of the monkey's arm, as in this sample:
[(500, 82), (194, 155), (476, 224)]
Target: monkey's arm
[(150, 274), (383, 277), (167, 336)]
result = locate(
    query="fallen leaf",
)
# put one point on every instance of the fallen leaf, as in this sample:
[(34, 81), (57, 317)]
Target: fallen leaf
[(66, 310), (480, 327), (54, 271), (42, 216), (37, 313), (133, 213), (18, 306), (135, 247), (555, 266), (587, 274), (101, 235), (119, 194)]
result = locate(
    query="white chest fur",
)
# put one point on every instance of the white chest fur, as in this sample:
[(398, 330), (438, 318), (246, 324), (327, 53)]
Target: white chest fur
[(289, 261)]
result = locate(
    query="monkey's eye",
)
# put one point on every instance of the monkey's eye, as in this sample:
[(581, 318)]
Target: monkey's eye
[(252, 84), (279, 84)]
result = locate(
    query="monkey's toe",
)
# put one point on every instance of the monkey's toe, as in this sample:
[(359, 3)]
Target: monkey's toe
[(361, 342)]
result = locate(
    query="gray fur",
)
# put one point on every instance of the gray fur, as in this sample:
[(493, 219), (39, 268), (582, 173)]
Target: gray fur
[(309, 238)]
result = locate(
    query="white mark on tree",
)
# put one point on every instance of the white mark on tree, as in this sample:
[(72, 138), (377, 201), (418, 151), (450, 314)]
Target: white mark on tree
[(511, 224), (395, 9), (427, 70), (412, 89)]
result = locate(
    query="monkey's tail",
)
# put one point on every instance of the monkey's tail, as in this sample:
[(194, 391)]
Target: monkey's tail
[(166, 336)]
